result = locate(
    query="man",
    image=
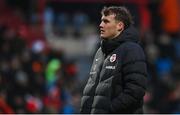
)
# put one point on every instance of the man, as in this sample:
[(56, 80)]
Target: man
[(118, 75)]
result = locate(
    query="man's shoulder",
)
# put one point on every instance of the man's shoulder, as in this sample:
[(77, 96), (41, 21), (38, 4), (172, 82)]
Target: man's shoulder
[(130, 49), (130, 46)]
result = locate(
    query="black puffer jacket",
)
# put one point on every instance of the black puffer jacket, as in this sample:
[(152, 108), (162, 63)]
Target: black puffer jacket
[(118, 77)]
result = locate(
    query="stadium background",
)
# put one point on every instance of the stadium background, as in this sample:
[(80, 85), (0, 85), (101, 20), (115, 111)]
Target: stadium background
[(47, 47)]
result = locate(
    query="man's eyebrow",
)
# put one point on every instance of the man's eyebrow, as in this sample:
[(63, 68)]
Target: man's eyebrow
[(105, 20)]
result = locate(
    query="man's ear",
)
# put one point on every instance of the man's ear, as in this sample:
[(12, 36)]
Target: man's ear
[(120, 26)]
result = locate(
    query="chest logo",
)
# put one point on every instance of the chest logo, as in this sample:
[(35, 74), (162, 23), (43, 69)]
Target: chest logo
[(113, 58)]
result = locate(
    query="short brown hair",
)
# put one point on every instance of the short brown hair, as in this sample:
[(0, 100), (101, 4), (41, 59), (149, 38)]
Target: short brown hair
[(121, 14)]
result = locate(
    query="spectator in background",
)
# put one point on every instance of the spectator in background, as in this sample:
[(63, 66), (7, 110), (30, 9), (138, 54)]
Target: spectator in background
[(170, 15), (169, 11)]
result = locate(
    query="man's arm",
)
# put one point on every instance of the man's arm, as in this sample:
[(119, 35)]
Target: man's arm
[(134, 79)]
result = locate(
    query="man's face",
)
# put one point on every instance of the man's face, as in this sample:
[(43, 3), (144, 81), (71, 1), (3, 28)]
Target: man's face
[(109, 27)]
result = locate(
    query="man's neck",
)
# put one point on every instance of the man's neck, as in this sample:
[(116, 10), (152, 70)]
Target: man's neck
[(115, 36)]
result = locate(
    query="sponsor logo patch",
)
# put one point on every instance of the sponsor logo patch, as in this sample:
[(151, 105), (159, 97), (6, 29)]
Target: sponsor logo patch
[(113, 58), (110, 67)]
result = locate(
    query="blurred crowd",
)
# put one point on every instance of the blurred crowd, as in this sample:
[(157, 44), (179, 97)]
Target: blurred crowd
[(37, 78)]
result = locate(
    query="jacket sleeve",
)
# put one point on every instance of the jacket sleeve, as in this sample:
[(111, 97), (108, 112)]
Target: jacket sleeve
[(134, 75)]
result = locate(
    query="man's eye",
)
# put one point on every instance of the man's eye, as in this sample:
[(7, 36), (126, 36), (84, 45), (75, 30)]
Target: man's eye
[(105, 21)]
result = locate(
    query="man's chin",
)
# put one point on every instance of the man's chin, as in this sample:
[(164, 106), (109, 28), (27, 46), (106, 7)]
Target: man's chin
[(102, 37)]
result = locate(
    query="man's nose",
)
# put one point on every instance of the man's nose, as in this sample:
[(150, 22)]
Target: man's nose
[(100, 25)]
